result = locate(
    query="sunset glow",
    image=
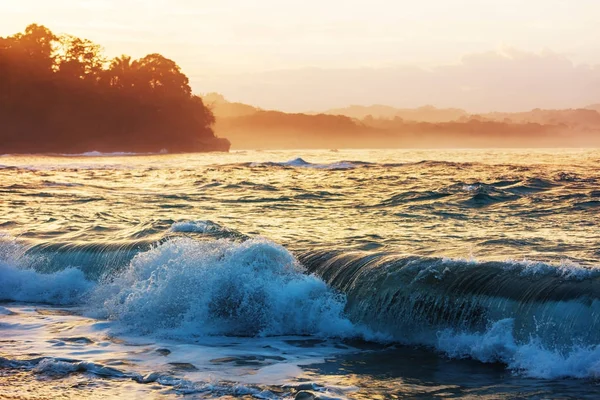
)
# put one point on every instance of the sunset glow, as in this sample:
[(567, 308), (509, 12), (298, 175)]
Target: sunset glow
[(307, 200), (227, 46)]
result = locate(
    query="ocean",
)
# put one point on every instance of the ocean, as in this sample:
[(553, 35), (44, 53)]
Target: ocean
[(331, 274)]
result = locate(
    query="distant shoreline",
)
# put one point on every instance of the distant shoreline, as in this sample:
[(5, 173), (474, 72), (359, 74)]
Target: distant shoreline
[(297, 149)]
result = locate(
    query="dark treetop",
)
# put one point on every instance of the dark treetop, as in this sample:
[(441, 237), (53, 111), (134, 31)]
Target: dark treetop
[(59, 94)]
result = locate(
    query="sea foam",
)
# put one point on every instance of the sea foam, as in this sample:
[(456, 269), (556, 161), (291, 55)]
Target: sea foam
[(532, 358), (184, 288), (68, 286)]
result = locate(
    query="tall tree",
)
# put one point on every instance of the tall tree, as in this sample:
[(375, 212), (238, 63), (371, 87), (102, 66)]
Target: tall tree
[(163, 75), (80, 58)]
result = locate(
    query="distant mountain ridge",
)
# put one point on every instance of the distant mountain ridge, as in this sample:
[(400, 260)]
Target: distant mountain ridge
[(576, 118), (595, 107), (585, 117), (426, 113), (221, 108), (381, 126)]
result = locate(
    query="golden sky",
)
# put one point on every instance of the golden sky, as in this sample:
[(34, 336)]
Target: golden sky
[(228, 45)]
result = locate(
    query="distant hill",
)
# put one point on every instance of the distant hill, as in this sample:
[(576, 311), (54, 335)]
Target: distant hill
[(595, 107), (380, 126), (424, 114), (581, 118), (221, 108), (575, 118), (279, 130)]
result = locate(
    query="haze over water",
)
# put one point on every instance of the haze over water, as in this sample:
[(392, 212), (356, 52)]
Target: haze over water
[(349, 274)]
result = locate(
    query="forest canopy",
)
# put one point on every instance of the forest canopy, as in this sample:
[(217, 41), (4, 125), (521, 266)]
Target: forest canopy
[(60, 94)]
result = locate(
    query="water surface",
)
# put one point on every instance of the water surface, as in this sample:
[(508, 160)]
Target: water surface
[(348, 274)]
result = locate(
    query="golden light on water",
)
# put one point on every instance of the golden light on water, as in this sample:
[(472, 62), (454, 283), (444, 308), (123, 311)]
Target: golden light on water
[(299, 199)]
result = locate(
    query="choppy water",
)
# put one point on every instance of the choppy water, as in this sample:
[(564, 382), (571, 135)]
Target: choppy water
[(262, 274)]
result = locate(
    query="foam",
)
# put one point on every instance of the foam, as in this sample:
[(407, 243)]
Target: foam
[(199, 226), (531, 359), (53, 342), (68, 286), (185, 288), (565, 269)]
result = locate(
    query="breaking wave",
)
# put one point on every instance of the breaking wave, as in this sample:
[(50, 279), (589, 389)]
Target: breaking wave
[(540, 320), (186, 288)]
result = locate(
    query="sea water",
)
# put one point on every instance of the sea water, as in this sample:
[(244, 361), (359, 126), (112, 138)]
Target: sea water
[(354, 274)]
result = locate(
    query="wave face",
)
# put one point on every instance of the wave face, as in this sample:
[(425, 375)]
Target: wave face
[(94, 260), (462, 306), (185, 288), (301, 163)]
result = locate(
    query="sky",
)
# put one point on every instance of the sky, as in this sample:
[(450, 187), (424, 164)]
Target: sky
[(311, 55)]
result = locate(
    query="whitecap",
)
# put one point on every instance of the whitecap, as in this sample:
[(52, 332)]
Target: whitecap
[(22, 284), (185, 288), (531, 359)]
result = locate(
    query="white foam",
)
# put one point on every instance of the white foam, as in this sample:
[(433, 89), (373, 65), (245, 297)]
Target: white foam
[(55, 367), (67, 343), (530, 359), (185, 288), (65, 287), (566, 269), (200, 226)]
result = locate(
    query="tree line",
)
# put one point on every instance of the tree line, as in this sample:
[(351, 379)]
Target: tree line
[(59, 93)]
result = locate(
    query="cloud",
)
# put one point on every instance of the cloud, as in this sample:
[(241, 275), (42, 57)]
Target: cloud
[(503, 80)]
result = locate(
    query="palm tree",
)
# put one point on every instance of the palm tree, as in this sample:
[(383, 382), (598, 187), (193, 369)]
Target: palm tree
[(121, 72)]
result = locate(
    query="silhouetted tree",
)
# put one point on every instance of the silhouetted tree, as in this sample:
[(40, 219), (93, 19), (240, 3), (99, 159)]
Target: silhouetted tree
[(60, 94), (79, 58), (162, 75), (121, 73)]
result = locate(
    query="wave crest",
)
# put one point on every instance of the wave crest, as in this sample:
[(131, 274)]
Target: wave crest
[(301, 163), (186, 288)]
